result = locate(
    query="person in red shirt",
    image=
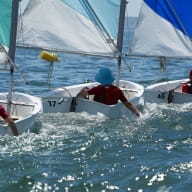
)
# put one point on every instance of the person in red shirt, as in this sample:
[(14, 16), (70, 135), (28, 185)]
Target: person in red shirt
[(107, 93), (8, 120), (187, 87)]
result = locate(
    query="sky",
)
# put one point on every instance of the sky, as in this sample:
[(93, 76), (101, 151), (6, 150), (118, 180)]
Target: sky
[(133, 7)]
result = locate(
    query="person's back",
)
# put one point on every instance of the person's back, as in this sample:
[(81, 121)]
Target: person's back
[(107, 94)]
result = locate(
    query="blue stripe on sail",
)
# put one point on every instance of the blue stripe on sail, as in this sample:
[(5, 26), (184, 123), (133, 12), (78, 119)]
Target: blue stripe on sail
[(5, 21), (182, 9), (107, 11)]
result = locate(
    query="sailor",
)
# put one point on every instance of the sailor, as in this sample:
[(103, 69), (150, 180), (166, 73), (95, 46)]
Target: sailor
[(187, 87), (107, 93)]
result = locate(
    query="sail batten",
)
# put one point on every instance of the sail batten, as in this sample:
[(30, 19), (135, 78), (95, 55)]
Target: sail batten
[(164, 28)]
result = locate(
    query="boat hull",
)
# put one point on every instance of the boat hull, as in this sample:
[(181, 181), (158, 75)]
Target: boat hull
[(159, 93), (24, 110), (63, 100)]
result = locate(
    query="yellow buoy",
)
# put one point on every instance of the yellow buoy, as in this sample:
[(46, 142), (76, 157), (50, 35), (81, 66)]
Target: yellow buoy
[(49, 56)]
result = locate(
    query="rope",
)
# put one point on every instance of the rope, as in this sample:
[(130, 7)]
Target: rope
[(50, 72)]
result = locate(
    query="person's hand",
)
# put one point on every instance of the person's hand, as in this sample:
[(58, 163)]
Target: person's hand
[(138, 114)]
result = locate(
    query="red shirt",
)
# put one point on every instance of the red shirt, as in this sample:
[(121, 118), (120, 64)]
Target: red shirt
[(3, 113), (107, 94), (187, 88)]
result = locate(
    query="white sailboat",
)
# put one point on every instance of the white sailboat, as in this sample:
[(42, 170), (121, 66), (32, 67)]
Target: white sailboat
[(23, 108), (84, 27), (164, 31)]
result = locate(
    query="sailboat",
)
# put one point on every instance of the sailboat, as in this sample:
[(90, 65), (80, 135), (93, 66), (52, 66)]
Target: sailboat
[(83, 27), (23, 108), (164, 31)]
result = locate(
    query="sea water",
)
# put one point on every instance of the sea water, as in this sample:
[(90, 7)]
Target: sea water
[(78, 152)]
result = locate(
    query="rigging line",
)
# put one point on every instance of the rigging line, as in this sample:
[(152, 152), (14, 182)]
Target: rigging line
[(95, 19), (13, 65), (50, 72), (106, 32), (150, 56), (100, 24), (69, 52), (178, 19)]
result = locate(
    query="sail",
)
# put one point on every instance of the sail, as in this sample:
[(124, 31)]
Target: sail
[(164, 28), (73, 26), (5, 28)]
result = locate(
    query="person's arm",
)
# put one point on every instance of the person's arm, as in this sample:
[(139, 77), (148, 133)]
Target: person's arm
[(132, 108), (11, 123), (128, 104)]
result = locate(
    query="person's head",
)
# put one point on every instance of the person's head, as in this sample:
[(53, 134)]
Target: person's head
[(104, 76)]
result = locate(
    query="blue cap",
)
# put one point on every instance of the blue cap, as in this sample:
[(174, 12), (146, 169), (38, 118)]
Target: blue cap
[(104, 76)]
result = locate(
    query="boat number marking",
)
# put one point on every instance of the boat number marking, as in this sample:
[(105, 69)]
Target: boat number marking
[(52, 103), (161, 95)]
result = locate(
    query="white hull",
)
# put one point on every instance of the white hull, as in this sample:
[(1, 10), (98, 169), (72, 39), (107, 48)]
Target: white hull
[(158, 93), (59, 100), (24, 109)]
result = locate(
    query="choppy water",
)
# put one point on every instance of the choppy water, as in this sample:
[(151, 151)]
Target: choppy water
[(83, 153)]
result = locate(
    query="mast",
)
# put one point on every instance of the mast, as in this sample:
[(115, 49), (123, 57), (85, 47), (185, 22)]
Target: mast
[(120, 36), (12, 46), (119, 45)]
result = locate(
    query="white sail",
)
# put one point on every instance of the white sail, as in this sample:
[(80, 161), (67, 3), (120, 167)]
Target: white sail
[(163, 29), (68, 26)]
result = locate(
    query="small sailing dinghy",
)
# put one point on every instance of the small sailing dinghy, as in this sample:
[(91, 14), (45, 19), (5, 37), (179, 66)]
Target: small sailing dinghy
[(64, 100), (164, 31), (23, 108), (84, 27)]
